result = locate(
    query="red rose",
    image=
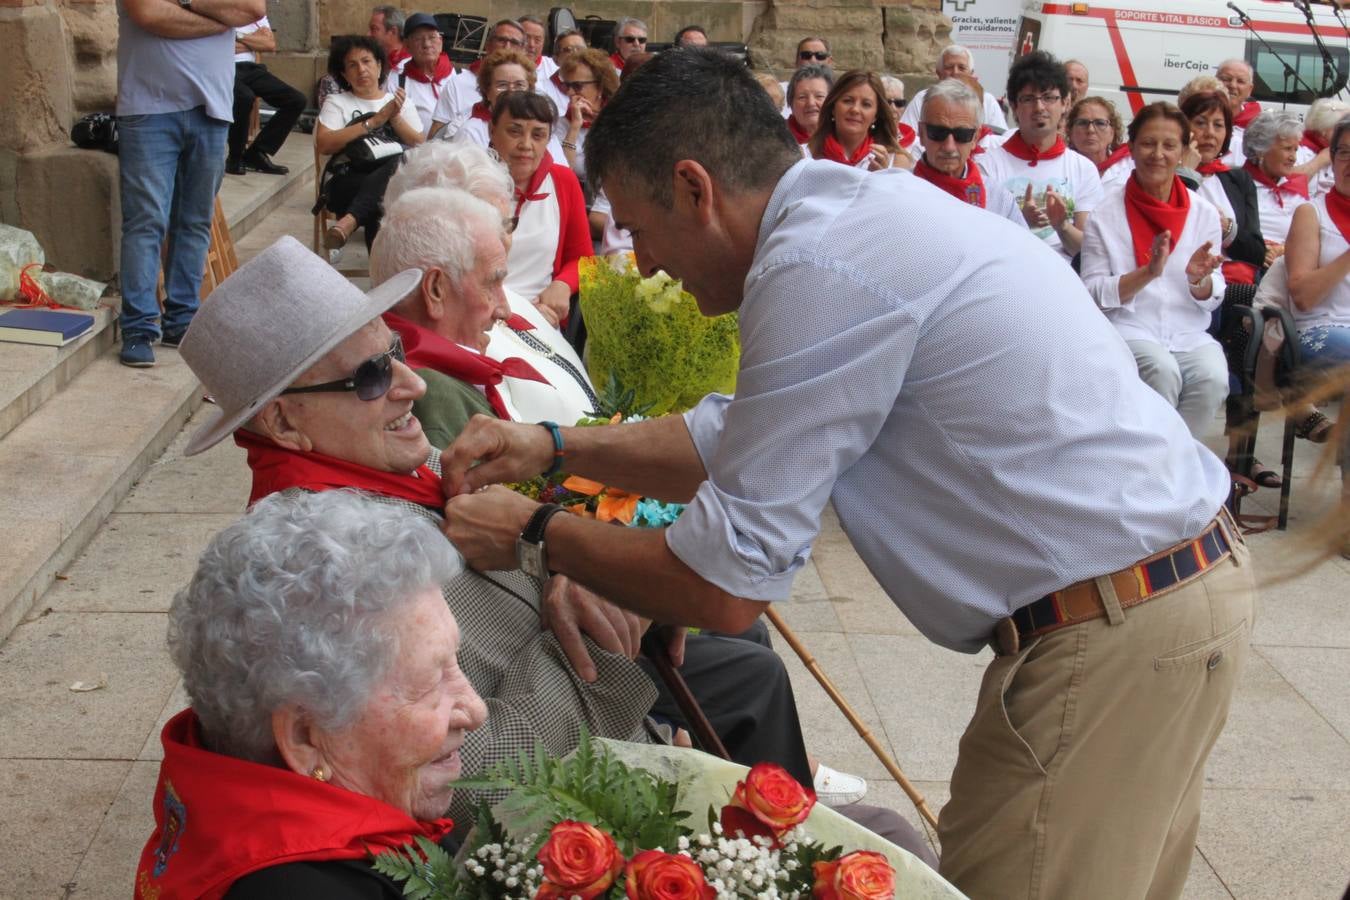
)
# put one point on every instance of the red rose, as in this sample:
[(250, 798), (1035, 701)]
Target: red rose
[(860, 875), (653, 875), (768, 802), (579, 860)]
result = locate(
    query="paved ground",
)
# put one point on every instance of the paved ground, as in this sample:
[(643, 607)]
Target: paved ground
[(77, 768)]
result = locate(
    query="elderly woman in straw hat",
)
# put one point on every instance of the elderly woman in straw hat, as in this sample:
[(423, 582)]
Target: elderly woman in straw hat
[(327, 706)]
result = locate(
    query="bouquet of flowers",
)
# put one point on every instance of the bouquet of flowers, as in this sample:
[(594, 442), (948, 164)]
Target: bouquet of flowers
[(648, 335), (609, 821)]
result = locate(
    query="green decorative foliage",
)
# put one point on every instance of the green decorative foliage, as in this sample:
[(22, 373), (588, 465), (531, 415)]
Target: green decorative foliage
[(427, 871)]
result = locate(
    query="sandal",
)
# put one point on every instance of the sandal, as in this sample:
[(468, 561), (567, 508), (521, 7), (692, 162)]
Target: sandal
[(1266, 477), (1315, 429), (334, 238)]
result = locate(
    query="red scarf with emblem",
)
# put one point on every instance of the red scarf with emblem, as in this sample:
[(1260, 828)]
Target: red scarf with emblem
[(1148, 216), (219, 818), (1314, 141), (834, 150), (443, 71), (1213, 167), (276, 469), (798, 132), (1293, 185), (1338, 207), (1116, 156), (1250, 110), (969, 189), (1018, 147), (427, 350)]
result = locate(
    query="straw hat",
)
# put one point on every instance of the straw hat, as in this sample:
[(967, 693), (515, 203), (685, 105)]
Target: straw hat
[(269, 322)]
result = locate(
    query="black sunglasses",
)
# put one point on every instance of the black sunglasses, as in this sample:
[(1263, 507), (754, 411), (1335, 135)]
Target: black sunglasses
[(371, 379), (898, 103), (819, 55), (574, 87), (632, 39), (940, 133)]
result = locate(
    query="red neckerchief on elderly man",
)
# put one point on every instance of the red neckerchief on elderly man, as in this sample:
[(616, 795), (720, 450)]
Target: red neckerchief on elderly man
[(1116, 156), (480, 111), (219, 818), (969, 189), (1338, 207), (1018, 147), (1313, 140), (443, 70), (531, 191), (1293, 185), (1148, 216), (276, 468), (617, 60), (798, 132), (425, 349), (1250, 110), (834, 150), (1213, 167)]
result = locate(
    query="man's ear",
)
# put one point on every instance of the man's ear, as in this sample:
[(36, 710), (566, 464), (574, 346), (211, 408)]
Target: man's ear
[(435, 292), (296, 740), (275, 423), (694, 190)]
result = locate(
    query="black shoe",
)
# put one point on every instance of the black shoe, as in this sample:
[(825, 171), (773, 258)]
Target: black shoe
[(259, 161), (235, 166), (172, 338)]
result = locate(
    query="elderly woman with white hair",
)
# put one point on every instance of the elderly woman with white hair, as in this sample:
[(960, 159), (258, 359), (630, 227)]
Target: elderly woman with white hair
[(895, 96), (327, 709), (1314, 156), (1270, 144)]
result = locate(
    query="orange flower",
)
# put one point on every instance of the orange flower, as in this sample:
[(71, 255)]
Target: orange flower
[(614, 504), (653, 875), (768, 802), (860, 875), (578, 485), (578, 860)]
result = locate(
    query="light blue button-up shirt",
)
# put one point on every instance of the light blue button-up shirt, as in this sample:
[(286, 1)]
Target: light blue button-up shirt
[(943, 377)]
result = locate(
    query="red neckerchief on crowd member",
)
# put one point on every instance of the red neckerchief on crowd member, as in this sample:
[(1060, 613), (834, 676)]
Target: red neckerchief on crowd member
[(443, 71), (1338, 207), (475, 66), (219, 818), (397, 56), (983, 133), (1148, 216), (1018, 147), (276, 469), (480, 111), (424, 349), (1314, 141), (1213, 167), (798, 132), (1293, 185), (969, 189), (517, 322), (905, 135), (834, 150), (531, 189), (1116, 156), (1250, 110), (1237, 272), (617, 60)]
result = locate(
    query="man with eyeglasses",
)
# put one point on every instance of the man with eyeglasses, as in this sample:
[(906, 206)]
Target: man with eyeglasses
[(1057, 189), (630, 39), (949, 126), (956, 60), (455, 103), (428, 70)]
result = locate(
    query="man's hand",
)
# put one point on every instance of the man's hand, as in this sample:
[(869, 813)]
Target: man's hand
[(491, 451), (1056, 210), (571, 610), (484, 526), (1159, 253), (1202, 263), (1033, 214)]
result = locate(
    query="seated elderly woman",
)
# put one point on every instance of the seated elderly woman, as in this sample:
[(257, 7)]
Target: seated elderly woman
[(1270, 143), (1095, 131), (857, 127), (552, 232), (1313, 149), (327, 711), (806, 92), (590, 79), (1149, 262), (498, 72), (905, 135), (360, 109)]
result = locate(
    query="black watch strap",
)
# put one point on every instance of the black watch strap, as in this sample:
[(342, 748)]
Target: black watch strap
[(534, 529)]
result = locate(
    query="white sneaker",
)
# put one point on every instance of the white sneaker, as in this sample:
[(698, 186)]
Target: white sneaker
[(835, 788)]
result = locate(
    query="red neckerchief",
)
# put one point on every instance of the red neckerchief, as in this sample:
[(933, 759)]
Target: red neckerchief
[(1213, 167), (425, 349), (1018, 147), (556, 78), (905, 135), (531, 189), (969, 189), (1148, 216), (984, 132), (1236, 272), (798, 132), (398, 56), (617, 60), (1116, 156), (480, 111), (1314, 141), (1250, 110), (517, 322), (1338, 207), (1294, 185), (834, 150), (219, 818), (475, 66), (443, 71), (276, 469)]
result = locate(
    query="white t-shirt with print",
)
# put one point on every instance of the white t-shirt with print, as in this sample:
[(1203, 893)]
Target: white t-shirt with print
[(1073, 176)]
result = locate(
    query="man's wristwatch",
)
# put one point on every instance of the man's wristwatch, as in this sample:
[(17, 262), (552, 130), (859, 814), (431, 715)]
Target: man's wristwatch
[(185, 4), (531, 553)]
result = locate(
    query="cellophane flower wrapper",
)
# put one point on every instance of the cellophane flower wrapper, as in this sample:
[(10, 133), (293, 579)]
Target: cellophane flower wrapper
[(649, 334)]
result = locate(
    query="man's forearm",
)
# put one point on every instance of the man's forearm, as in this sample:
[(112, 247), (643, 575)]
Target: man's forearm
[(166, 19), (655, 458), (234, 13)]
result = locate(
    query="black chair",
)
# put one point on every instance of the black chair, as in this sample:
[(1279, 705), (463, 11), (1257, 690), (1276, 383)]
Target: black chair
[(1237, 328), (1289, 378)]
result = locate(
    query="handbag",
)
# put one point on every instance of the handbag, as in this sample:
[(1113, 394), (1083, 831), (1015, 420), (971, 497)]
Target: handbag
[(95, 131), (371, 150)]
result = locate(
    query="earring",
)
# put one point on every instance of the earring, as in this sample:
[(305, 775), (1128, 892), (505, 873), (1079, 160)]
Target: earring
[(319, 774)]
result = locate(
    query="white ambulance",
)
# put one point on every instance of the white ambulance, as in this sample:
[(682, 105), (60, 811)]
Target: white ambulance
[(1140, 51)]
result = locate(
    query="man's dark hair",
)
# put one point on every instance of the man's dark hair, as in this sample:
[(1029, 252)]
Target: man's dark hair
[(690, 103), (344, 44), (1038, 70), (688, 29), (526, 105)]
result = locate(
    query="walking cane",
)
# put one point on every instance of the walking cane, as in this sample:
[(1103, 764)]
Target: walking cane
[(814, 668), (654, 648)]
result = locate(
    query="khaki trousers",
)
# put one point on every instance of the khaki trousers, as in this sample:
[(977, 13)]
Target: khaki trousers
[(1080, 773)]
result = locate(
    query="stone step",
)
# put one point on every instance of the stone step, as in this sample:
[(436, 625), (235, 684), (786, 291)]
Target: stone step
[(31, 375)]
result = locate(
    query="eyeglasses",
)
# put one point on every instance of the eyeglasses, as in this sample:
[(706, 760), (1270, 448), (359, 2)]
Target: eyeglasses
[(1049, 98), (370, 381), (898, 103), (817, 55), (1342, 154), (507, 40), (939, 133), (574, 87), (632, 39), (1099, 124), (502, 86)]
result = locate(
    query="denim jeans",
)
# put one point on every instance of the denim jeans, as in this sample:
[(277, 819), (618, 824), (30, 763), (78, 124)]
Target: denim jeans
[(171, 166), (1328, 347)]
